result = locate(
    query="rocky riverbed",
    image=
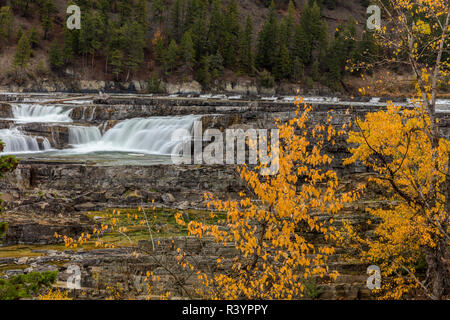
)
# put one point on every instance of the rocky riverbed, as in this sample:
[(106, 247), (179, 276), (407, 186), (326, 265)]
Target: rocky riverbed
[(59, 187)]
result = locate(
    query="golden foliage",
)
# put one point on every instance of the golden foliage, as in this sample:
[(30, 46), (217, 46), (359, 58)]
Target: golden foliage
[(269, 227), (396, 144)]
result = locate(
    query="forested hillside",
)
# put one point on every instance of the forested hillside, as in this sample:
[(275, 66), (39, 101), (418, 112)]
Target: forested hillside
[(304, 42)]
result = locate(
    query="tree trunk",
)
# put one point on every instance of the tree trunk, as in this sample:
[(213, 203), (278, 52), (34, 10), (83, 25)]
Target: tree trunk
[(437, 278)]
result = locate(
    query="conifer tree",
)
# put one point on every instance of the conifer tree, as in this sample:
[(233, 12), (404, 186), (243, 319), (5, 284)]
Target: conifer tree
[(19, 34), (177, 20), (5, 23), (315, 70), (34, 37), (172, 56), (23, 52), (314, 28), (56, 55), (187, 49), (231, 34), (301, 48), (284, 66), (200, 34), (290, 26), (216, 28), (47, 8), (157, 8), (246, 56), (267, 48), (116, 58)]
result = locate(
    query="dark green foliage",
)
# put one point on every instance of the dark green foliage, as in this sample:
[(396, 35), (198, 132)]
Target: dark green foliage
[(3, 228), (342, 50), (246, 56), (23, 6), (157, 9), (231, 34), (267, 42), (154, 85), (34, 38), (204, 75), (172, 56), (266, 80), (26, 286), (314, 28), (46, 10), (187, 50), (202, 37), (23, 52), (5, 23), (56, 56)]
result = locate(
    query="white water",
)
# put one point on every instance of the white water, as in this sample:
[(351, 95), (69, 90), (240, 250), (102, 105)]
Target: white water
[(26, 113), (83, 135), (151, 135), (16, 142)]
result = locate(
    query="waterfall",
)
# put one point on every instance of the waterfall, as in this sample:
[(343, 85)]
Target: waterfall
[(151, 135), (40, 113), (83, 135), (15, 142)]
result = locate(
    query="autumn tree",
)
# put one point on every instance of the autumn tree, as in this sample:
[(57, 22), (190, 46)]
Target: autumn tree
[(269, 224), (409, 155)]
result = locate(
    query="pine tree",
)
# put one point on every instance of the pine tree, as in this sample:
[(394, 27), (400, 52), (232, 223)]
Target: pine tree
[(297, 69), (204, 74), (290, 26), (301, 48), (5, 23), (315, 72), (216, 65), (158, 48), (177, 20), (187, 50), (125, 10), (172, 56), (157, 8), (19, 34), (193, 11), (200, 34), (46, 11), (134, 44), (34, 37), (284, 66), (216, 32), (116, 58), (267, 48), (141, 14), (23, 52), (231, 34), (343, 49), (315, 28), (246, 56), (56, 55)]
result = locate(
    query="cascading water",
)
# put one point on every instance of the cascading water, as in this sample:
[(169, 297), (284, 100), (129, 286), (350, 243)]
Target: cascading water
[(40, 113), (16, 142), (151, 135), (83, 135)]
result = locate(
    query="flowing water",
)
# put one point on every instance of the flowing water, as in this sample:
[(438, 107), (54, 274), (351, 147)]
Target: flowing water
[(137, 139)]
